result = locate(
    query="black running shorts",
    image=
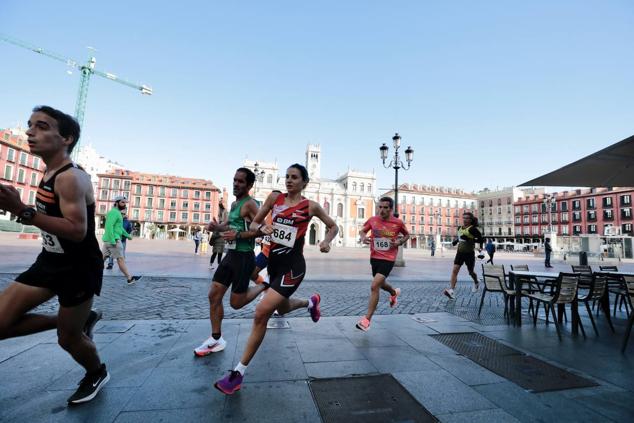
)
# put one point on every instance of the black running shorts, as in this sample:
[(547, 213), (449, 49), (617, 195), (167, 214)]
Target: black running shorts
[(285, 274), (235, 270), (383, 267), (73, 281), (465, 258)]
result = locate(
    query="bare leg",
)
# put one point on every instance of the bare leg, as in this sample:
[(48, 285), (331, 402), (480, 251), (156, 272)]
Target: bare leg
[(238, 301), (377, 283), (216, 309), (15, 302), (123, 267), (71, 336), (271, 301), (454, 275)]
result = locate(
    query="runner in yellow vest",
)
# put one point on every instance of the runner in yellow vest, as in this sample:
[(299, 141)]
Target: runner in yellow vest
[(468, 237)]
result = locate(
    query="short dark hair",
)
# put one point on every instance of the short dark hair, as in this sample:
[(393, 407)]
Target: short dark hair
[(66, 124), (387, 200), (548, 239), (302, 170), (249, 173)]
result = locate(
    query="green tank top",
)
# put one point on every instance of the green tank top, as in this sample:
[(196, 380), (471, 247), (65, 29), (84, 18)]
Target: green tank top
[(468, 245), (238, 223)]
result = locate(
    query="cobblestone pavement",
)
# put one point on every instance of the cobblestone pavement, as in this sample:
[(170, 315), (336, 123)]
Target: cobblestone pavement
[(186, 298)]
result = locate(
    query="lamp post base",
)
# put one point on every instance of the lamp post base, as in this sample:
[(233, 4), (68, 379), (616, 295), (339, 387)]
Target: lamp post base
[(399, 262)]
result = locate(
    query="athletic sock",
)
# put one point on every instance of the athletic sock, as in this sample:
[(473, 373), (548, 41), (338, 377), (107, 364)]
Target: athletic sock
[(241, 368), (216, 336)]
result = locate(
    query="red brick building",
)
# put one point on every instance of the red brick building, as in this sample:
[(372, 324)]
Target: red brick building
[(601, 211), (159, 204), (18, 167)]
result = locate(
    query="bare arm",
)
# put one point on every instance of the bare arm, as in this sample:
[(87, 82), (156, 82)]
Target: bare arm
[(317, 211), (72, 189), (258, 220), (404, 238)]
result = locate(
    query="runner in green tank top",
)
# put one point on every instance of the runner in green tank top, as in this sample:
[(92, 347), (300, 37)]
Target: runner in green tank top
[(236, 268)]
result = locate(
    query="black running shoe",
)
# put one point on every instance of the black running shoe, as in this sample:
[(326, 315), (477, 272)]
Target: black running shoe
[(134, 279), (93, 318), (90, 386)]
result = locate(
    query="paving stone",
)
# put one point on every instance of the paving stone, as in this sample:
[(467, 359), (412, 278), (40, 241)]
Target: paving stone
[(465, 370), (397, 359), (328, 350), (169, 416), (482, 416), (441, 393), (339, 368)]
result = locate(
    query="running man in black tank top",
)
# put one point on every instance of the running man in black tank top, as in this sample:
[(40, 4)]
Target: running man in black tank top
[(70, 265)]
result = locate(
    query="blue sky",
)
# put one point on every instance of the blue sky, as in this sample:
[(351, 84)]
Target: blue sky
[(488, 93)]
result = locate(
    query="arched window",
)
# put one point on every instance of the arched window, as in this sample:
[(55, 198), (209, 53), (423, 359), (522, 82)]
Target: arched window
[(354, 186), (327, 207), (369, 187), (339, 210), (362, 187)]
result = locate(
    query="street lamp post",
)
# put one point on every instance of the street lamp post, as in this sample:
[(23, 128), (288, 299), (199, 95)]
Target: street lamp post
[(396, 163)]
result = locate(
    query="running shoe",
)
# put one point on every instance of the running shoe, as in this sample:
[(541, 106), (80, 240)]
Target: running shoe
[(393, 298), (363, 324), (230, 383), (109, 267), (315, 311), (93, 318), (449, 293), (133, 279), (210, 345), (90, 386)]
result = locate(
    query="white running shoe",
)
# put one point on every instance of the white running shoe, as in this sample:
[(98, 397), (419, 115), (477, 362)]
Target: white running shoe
[(475, 288), (210, 345), (449, 293)]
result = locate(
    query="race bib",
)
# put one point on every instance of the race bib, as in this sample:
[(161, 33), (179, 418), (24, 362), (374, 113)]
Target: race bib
[(284, 234), (266, 240), (51, 243), (382, 244), (230, 245)]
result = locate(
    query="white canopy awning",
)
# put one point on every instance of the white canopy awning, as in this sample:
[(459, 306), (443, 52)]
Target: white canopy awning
[(611, 167)]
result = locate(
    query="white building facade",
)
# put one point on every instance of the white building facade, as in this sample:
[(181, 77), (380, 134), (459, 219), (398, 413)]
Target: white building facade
[(497, 211), (348, 199)]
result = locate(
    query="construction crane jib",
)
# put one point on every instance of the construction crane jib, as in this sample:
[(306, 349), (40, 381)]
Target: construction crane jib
[(86, 71)]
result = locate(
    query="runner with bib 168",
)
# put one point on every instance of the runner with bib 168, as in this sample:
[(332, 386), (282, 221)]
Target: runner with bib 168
[(388, 233)]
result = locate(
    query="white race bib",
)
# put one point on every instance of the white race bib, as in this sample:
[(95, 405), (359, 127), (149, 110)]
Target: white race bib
[(284, 234), (230, 245), (51, 243), (382, 244)]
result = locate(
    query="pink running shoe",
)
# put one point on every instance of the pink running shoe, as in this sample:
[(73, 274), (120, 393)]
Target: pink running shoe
[(230, 383), (315, 312), (363, 324), (393, 298)]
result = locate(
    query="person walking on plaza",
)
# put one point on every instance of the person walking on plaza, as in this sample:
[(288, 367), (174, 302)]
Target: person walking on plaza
[(112, 236), (291, 213), (388, 233), (217, 249), (490, 247), (548, 249), (204, 243), (432, 246), (127, 226), (468, 237), (197, 238), (70, 265), (236, 268)]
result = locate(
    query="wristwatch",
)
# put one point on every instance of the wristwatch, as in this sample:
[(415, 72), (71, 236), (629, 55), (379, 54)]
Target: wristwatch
[(26, 215)]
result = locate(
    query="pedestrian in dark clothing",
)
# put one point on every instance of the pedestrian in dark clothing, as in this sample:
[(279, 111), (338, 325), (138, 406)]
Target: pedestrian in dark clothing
[(548, 249), (490, 247)]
